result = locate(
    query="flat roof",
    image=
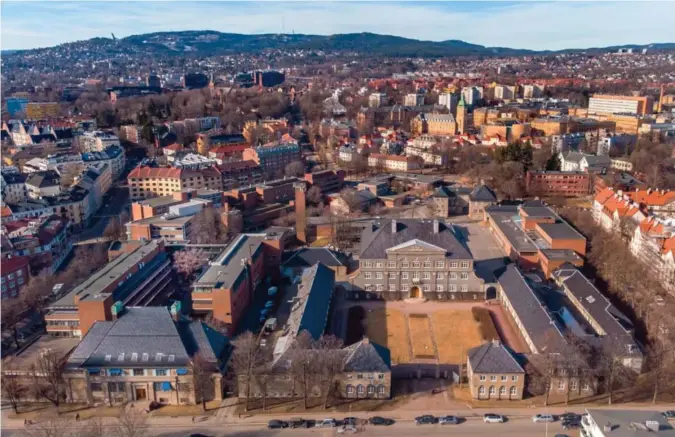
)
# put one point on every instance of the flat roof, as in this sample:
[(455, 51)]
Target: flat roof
[(225, 270), (156, 202), (560, 231), (508, 222), (102, 278), (561, 254)]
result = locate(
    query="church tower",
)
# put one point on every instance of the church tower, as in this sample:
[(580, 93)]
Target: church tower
[(461, 116)]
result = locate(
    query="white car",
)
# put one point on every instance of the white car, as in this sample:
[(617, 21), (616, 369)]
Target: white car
[(347, 429), (326, 423), (540, 418), (493, 418)]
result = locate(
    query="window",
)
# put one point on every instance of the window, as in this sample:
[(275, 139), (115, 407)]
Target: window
[(481, 390), (96, 386), (573, 384), (368, 264), (440, 264), (368, 287), (465, 276), (514, 378), (360, 390), (404, 275), (139, 372), (453, 288), (482, 377), (367, 275), (392, 287), (439, 288), (439, 275), (504, 378), (453, 275), (350, 389), (378, 275), (502, 390), (378, 264), (134, 356), (514, 391), (465, 288), (379, 287), (380, 389), (416, 275), (493, 390), (465, 264), (427, 264), (426, 287), (427, 275), (493, 377), (160, 372), (392, 275), (453, 265), (416, 265), (405, 265), (561, 385), (371, 390), (391, 264), (585, 386)]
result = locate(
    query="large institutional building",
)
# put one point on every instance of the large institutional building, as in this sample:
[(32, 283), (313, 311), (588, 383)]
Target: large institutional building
[(620, 104)]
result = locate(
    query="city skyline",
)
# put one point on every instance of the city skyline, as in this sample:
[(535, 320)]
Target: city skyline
[(526, 25)]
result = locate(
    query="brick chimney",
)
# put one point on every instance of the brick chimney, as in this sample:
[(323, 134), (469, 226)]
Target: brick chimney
[(300, 211)]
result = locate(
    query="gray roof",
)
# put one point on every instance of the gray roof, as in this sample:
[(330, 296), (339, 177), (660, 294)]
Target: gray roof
[(93, 288), (617, 327), (49, 178), (529, 309), (482, 193), (574, 157), (493, 357), (159, 201), (366, 356), (507, 220), (146, 337), (309, 312), (378, 237), (308, 256), (561, 231), (228, 269), (631, 423)]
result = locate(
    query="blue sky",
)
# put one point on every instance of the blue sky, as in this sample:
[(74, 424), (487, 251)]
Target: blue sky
[(527, 24)]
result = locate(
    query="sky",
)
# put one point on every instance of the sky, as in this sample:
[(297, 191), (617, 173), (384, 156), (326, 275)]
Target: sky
[(527, 24)]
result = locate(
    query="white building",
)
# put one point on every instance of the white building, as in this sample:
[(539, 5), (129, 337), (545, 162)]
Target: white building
[(346, 152), (576, 161), (505, 92), (625, 423), (472, 94), (449, 100), (622, 165), (97, 141), (193, 161), (413, 99), (533, 91), (393, 162), (375, 100)]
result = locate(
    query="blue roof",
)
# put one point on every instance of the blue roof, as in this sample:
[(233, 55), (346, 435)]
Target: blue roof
[(319, 281)]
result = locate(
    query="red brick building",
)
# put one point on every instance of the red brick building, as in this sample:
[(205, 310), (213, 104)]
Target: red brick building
[(559, 183), (14, 275)]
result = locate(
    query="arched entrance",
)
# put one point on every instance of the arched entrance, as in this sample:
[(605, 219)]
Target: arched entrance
[(415, 293)]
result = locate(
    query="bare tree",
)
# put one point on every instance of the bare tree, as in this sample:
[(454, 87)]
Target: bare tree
[(48, 375), (188, 261), (93, 428), (314, 195), (131, 423), (116, 229), (660, 358), (330, 359), (12, 311), (57, 427), (301, 359), (245, 358), (295, 168), (608, 360), (69, 173), (201, 378), (207, 228), (13, 390)]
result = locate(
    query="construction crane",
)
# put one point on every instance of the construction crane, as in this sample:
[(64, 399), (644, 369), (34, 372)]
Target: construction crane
[(113, 36)]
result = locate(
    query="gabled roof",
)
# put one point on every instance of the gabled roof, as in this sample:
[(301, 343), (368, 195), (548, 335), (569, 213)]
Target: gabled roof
[(417, 244), (493, 357), (308, 256), (378, 237), (482, 193), (366, 356)]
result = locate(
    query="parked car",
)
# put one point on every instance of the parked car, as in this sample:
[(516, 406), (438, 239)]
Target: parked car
[(427, 419), (381, 421), (298, 423), (350, 421), (326, 423), (670, 414), (277, 424), (541, 418), (347, 429), (493, 418), (561, 435), (448, 420), (571, 424), (570, 416)]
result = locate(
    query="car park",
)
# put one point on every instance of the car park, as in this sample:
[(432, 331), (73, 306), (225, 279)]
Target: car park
[(277, 424), (448, 420), (541, 418), (493, 418), (381, 421), (427, 419)]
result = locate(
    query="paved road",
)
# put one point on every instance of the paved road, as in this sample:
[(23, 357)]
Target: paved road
[(515, 428)]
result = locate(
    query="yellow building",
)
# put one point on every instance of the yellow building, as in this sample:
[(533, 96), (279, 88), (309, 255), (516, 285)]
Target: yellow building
[(550, 126), (38, 111), (434, 124)]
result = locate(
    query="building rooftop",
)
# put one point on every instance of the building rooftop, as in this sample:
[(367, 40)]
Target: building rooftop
[(366, 356), (147, 337), (560, 231), (96, 285), (309, 256), (631, 423), (379, 237), (227, 269), (493, 357)]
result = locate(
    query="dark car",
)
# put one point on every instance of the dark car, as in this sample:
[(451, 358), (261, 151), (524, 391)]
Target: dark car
[(298, 423), (570, 416), (670, 414), (427, 419), (448, 420), (381, 421), (571, 424), (349, 421), (277, 424)]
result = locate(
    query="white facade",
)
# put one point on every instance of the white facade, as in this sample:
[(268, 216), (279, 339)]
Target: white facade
[(413, 100), (97, 141), (622, 165), (505, 92), (449, 100), (472, 94), (375, 100), (194, 161), (614, 106)]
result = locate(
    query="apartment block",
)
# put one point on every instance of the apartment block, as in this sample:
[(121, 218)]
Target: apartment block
[(227, 144), (403, 259), (558, 183), (394, 162), (239, 173), (138, 276), (147, 182), (130, 132), (14, 273), (329, 181), (599, 103), (38, 111), (413, 100), (97, 141), (43, 240), (273, 157)]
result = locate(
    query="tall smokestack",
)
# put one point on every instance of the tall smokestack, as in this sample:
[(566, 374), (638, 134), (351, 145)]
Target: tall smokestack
[(300, 213)]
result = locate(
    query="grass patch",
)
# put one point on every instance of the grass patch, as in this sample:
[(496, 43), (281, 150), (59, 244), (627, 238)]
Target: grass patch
[(456, 331), (420, 336), (387, 327)]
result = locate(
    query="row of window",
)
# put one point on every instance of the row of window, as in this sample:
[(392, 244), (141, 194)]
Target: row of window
[(502, 390), (362, 390), (514, 378), (416, 275), (416, 264), (426, 287)]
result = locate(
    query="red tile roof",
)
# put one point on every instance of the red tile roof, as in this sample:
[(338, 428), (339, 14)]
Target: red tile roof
[(150, 172)]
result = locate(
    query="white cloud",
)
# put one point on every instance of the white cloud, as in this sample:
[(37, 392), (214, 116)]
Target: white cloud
[(551, 25)]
